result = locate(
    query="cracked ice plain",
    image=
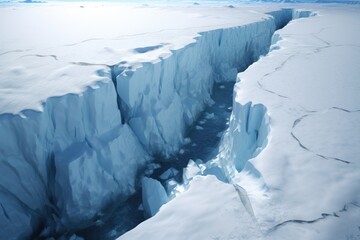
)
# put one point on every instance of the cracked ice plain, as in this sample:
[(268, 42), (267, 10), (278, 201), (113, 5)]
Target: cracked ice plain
[(309, 84), (80, 135)]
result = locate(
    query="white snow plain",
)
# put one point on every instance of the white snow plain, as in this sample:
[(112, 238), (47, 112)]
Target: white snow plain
[(86, 99)]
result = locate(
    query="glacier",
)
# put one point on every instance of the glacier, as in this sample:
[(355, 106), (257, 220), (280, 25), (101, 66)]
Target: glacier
[(58, 161), (70, 156)]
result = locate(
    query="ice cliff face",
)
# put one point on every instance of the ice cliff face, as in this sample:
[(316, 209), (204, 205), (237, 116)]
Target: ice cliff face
[(245, 137), (50, 160), (172, 92), (61, 167)]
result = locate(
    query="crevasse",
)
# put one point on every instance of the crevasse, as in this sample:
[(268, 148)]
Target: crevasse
[(62, 167)]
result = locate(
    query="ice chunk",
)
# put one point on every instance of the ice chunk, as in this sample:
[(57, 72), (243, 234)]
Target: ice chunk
[(170, 173), (187, 140), (199, 127), (202, 122), (150, 168), (190, 171), (153, 196), (200, 164), (75, 237), (217, 172), (209, 115), (171, 188)]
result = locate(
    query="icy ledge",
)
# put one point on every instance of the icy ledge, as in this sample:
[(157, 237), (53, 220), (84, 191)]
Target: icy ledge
[(60, 168)]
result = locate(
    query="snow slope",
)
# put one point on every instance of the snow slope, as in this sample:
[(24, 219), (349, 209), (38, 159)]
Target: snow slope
[(296, 114)]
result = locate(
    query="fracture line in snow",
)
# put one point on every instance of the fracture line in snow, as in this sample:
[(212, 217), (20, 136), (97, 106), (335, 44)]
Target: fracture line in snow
[(86, 40), (41, 56), (319, 49), (269, 73), (14, 51), (344, 110), (89, 64), (317, 154), (324, 216), (120, 37), (298, 120), (320, 39)]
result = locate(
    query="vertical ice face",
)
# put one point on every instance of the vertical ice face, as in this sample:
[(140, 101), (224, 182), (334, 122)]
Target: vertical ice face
[(61, 166), (249, 123), (162, 99), (153, 195), (246, 136)]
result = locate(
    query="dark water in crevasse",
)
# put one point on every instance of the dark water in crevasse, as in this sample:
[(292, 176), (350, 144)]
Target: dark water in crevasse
[(205, 135)]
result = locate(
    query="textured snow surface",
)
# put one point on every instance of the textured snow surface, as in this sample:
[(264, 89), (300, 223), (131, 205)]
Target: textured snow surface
[(210, 209), (309, 84), (42, 56)]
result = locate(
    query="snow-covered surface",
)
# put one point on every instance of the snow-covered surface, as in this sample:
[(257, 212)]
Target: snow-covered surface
[(310, 87), (84, 104), (44, 54), (304, 184), (199, 216)]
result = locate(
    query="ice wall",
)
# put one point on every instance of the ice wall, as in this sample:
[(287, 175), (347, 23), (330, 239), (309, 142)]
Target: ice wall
[(162, 99), (245, 137), (61, 167), (249, 123)]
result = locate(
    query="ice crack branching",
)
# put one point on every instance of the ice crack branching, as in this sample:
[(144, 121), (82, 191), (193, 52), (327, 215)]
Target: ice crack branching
[(310, 113), (317, 154), (42, 56), (272, 72), (90, 64), (324, 216), (14, 51), (87, 40)]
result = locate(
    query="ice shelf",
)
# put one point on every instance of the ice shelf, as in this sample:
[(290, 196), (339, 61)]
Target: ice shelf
[(82, 115)]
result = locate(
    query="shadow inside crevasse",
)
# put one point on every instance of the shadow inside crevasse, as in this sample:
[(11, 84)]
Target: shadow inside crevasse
[(204, 135)]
